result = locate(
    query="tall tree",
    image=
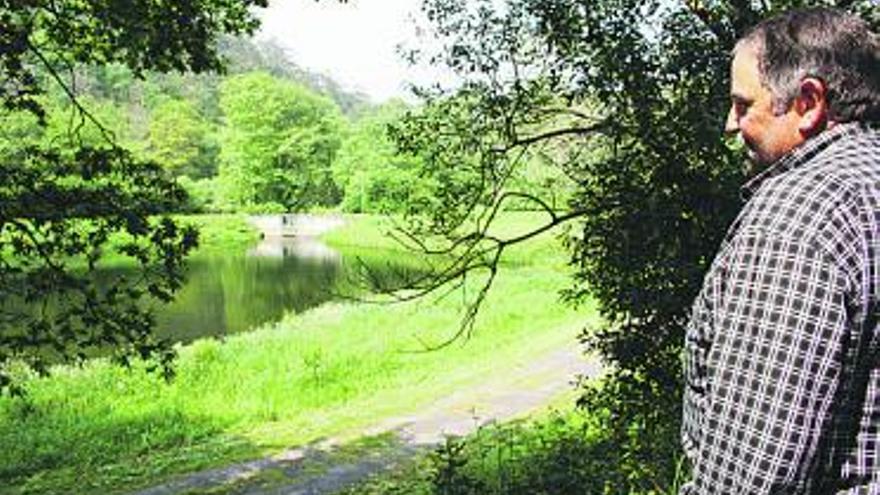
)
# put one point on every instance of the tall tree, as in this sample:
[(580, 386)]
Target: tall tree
[(373, 176), (279, 140), (66, 202), (178, 139), (249, 55), (627, 98)]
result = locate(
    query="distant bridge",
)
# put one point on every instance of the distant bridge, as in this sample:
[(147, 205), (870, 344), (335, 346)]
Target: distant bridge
[(295, 224)]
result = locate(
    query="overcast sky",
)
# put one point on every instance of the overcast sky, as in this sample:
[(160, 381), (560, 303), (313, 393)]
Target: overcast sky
[(354, 43)]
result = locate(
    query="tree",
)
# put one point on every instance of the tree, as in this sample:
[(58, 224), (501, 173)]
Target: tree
[(375, 178), (178, 139), (627, 98), (278, 143), (66, 202)]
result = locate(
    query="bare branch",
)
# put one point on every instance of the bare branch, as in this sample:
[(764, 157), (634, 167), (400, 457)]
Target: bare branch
[(483, 252), (71, 94), (570, 111), (466, 325), (531, 197), (567, 131)]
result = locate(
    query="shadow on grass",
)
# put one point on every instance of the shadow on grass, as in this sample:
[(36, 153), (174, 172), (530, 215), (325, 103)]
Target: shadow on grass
[(318, 468), (557, 455), (48, 450)]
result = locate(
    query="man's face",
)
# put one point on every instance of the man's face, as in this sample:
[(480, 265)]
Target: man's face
[(766, 135)]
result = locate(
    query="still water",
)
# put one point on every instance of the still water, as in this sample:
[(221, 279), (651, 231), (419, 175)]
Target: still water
[(235, 292)]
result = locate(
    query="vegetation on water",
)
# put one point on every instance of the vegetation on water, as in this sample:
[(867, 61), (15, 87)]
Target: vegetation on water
[(326, 372)]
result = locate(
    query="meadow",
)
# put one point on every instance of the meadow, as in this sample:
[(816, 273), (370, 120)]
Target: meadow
[(330, 371)]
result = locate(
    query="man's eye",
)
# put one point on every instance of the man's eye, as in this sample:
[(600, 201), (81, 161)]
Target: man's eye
[(740, 107)]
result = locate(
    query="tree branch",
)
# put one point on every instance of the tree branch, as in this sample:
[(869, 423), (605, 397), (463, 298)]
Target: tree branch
[(71, 94), (567, 131)]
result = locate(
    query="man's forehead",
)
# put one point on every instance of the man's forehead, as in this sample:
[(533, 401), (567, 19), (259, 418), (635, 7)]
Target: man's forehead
[(745, 76)]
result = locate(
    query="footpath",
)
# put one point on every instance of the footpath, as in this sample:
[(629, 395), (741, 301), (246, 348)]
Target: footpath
[(331, 465)]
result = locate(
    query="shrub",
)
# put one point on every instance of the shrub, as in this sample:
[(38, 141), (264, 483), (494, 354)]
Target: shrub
[(570, 453)]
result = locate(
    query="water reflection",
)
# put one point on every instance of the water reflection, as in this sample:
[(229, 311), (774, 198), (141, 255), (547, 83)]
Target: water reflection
[(298, 247), (235, 292)]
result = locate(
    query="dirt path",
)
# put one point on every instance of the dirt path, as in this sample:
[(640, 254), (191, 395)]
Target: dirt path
[(331, 465)]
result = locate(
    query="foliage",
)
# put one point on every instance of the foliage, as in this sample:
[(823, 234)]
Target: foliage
[(179, 139), (564, 453), (626, 98), (374, 178), (248, 55), (142, 34), (67, 200), (201, 194), (279, 141), (556, 455)]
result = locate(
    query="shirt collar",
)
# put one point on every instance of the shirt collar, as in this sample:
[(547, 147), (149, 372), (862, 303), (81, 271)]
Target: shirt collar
[(799, 156)]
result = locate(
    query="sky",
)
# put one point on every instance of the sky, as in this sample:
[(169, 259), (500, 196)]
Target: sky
[(354, 43)]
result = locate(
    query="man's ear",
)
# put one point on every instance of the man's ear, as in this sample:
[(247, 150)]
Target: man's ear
[(812, 106)]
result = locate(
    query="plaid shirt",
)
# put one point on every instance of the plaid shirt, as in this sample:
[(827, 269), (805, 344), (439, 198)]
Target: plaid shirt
[(782, 355)]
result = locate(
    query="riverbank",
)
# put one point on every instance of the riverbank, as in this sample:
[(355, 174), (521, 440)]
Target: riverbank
[(328, 372), (222, 232)]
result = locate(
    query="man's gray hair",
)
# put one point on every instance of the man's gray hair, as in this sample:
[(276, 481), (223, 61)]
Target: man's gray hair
[(828, 44)]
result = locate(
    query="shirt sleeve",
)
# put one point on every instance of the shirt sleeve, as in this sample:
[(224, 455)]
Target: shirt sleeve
[(772, 368)]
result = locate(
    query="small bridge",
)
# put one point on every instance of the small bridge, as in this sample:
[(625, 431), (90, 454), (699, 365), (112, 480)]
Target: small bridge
[(295, 224)]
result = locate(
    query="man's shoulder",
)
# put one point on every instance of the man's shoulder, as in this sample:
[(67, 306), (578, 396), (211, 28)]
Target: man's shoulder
[(855, 157), (850, 164), (843, 176)]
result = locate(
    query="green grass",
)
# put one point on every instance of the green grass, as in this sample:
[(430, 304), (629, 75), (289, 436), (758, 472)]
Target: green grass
[(364, 230), (221, 232), (217, 234), (327, 372), (378, 232), (564, 452)]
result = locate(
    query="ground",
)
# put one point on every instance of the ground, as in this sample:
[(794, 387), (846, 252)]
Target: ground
[(332, 464)]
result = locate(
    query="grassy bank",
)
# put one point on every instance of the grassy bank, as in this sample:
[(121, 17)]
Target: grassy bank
[(217, 234), (379, 233), (330, 371), (221, 232)]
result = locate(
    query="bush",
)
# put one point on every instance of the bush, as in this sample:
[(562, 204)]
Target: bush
[(570, 453), (201, 194)]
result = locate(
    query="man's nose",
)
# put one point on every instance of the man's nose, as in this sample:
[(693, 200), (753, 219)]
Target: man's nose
[(732, 124)]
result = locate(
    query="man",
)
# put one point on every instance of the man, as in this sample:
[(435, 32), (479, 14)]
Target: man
[(782, 361)]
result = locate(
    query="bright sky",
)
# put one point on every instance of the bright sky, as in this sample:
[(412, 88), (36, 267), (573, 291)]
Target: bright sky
[(354, 43)]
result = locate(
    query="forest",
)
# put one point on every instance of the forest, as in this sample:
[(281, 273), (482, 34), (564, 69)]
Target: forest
[(264, 137)]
